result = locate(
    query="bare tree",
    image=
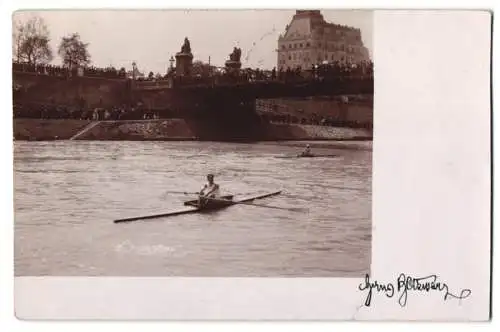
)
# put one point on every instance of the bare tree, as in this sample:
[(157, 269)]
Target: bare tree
[(73, 51), (31, 42), (17, 31)]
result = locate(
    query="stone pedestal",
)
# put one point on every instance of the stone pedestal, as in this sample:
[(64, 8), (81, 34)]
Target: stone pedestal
[(233, 66), (183, 64)]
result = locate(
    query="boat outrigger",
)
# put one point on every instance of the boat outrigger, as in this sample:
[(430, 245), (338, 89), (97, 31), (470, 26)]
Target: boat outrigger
[(210, 205)]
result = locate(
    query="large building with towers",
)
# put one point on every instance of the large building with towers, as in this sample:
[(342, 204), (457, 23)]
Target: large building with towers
[(310, 40)]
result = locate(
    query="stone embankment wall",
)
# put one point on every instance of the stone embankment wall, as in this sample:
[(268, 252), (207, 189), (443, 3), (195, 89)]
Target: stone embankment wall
[(171, 129), (46, 130), (278, 132), (92, 92), (141, 130), (357, 109)]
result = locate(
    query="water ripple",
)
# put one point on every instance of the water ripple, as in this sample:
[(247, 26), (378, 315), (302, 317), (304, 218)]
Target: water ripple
[(68, 193)]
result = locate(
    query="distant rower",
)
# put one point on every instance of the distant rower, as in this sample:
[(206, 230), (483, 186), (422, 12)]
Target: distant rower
[(210, 190), (306, 152)]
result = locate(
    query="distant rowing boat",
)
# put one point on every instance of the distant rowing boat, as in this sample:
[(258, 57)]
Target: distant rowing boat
[(310, 156), (215, 204)]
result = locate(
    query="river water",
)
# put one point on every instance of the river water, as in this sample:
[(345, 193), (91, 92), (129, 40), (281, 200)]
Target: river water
[(67, 194)]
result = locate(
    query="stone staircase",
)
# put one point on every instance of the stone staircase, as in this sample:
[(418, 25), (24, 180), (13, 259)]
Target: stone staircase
[(84, 130)]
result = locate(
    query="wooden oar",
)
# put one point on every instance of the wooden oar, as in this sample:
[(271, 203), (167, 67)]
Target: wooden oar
[(348, 188), (260, 205), (182, 192)]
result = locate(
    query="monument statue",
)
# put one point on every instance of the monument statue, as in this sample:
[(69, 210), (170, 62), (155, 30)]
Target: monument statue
[(186, 48), (183, 60), (234, 62), (236, 55)]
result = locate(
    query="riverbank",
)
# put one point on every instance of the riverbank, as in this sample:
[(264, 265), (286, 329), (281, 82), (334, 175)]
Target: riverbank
[(170, 129)]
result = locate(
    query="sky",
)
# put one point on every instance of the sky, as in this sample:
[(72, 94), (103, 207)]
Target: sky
[(151, 37)]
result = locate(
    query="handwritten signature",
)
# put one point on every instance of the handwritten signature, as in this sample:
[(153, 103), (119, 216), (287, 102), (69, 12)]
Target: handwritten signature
[(405, 284)]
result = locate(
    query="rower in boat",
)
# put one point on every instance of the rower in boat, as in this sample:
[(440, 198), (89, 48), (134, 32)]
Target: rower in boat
[(210, 190), (307, 152)]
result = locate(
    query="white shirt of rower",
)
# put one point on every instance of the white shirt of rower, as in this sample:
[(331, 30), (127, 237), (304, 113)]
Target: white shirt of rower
[(213, 189), (306, 152)]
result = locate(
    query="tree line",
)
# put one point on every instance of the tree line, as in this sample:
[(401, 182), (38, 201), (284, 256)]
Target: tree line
[(31, 45)]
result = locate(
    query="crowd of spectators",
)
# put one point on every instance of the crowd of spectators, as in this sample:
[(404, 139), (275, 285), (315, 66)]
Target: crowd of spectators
[(51, 70), (40, 69), (108, 72), (313, 120), (32, 110), (329, 72), (334, 70)]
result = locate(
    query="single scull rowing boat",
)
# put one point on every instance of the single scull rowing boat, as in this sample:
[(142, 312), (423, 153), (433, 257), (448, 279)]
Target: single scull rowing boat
[(215, 204), (310, 156)]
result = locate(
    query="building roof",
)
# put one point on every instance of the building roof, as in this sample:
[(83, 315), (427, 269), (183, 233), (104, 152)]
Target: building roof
[(307, 22)]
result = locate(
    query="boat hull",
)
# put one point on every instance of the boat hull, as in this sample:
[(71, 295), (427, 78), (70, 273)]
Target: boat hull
[(210, 205)]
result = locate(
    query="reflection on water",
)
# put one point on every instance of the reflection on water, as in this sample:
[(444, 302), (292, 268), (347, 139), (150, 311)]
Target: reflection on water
[(67, 194)]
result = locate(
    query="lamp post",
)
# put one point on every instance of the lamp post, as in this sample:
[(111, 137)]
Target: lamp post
[(134, 69), (171, 62)]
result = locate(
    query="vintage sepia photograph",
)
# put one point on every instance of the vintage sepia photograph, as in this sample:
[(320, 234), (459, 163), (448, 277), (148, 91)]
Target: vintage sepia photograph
[(193, 143), (313, 164)]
